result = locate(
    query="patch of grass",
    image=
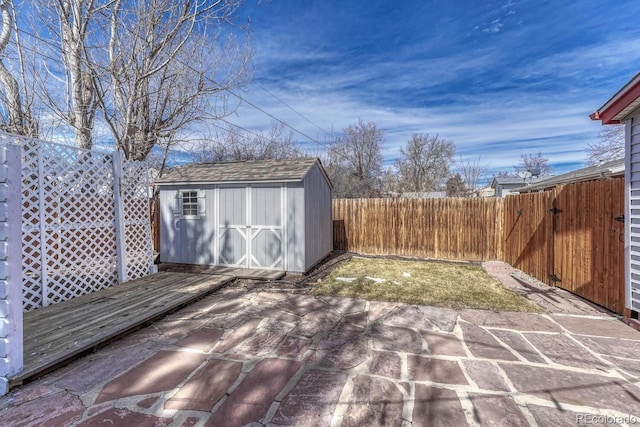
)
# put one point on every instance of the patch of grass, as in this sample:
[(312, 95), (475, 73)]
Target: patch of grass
[(442, 284)]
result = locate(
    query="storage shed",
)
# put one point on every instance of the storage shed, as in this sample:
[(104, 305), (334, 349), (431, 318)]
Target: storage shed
[(266, 214), (624, 108)]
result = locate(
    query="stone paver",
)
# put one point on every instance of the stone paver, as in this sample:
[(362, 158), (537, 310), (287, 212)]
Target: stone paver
[(57, 409), (435, 370), (443, 344), (206, 387), (312, 401), (394, 338), (602, 326), (483, 345), (124, 417), (509, 320), (253, 397), (437, 407), (517, 342), (204, 339), (160, 372), (387, 364), (596, 391), (559, 348), (348, 355), (612, 346), (374, 402), (498, 411), (485, 374), (248, 357)]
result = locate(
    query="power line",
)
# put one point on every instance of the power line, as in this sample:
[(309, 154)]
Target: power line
[(292, 109), (240, 97)]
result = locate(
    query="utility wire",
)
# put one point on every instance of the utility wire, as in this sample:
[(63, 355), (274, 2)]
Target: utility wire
[(240, 97), (292, 109)]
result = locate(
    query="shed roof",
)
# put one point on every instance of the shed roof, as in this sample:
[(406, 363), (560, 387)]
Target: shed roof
[(604, 170), (286, 170), (621, 104)]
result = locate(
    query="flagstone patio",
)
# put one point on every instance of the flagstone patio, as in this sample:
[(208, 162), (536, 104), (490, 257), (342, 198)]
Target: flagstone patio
[(241, 357)]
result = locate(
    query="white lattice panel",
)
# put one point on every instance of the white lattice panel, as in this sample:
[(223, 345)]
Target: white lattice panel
[(68, 228), (135, 198)]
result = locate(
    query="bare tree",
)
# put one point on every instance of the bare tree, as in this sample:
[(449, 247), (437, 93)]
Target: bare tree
[(389, 183), (425, 162), (166, 68), (354, 161), (610, 145), (531, 162), (19, 119), (234, 145), (68, 23), (505, 174), (471, 172)]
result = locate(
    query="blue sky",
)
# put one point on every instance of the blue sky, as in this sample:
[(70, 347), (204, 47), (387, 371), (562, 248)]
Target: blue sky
[(499, 78)]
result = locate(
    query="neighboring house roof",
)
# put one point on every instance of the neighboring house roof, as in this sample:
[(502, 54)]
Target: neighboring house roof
[(486, 192), (603, 170), (620, 105), (248, 171), (507, 180)]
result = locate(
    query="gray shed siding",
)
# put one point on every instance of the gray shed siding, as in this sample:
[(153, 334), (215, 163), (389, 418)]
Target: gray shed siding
[(632, 201), (318, 217), (182, 240), (295, 229), (281, 225)]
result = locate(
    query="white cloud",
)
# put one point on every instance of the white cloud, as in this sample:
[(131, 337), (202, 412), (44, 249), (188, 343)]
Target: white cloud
[(494, 27)]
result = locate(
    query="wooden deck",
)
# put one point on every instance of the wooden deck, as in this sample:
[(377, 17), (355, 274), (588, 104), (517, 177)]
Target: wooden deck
[(238, 273), (57, 333)]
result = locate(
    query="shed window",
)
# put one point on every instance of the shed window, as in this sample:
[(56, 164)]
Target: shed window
[(190, 203)]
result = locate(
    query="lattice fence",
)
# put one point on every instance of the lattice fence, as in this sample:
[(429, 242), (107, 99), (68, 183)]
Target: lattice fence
[(69, 228)]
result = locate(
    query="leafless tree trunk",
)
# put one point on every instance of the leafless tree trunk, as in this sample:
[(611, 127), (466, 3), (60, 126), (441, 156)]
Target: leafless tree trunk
[(471, 171), (536, 164), (16, 117), (354, 161), (74, 18), (610, 145), (66, 88), (235, 145), (158, 75), (425, 163)]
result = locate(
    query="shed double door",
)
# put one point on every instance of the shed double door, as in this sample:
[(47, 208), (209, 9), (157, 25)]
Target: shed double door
[(250, 227)]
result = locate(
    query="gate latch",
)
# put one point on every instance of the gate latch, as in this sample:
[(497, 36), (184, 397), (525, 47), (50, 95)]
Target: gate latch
[(555, 210), (619, 218)]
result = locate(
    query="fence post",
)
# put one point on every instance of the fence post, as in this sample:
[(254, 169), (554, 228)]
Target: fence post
[(121, 252), (11, 333)]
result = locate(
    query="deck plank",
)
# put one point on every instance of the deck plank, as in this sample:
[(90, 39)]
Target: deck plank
[(57, 333), (103, 301)]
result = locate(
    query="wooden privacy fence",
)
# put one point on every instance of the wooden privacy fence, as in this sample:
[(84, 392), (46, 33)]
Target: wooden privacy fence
[(570, 236), (451, 228)]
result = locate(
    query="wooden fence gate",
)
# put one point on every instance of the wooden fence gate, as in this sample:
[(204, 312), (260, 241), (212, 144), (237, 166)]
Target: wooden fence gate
[(571, 237)]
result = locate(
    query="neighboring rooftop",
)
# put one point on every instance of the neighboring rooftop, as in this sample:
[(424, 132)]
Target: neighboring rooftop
[(242, 171), (603, 170), (507, 180)]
